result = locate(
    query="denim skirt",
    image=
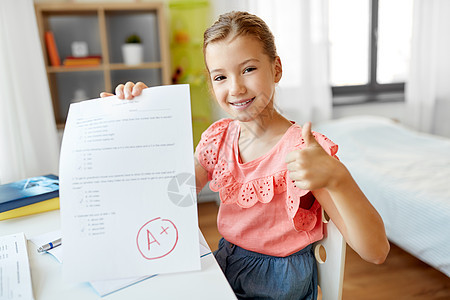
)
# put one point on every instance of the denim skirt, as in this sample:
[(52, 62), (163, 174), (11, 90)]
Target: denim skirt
[(254, 275)]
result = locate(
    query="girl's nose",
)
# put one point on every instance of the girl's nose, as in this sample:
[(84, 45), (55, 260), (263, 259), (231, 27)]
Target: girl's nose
[(237, 87)]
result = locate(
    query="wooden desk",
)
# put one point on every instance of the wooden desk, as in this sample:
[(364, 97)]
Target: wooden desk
[(46, 272)]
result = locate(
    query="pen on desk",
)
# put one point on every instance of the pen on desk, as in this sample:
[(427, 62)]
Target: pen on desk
[(49, 246)]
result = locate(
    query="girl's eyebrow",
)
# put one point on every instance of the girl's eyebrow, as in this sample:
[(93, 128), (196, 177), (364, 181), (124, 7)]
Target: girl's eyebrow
[(248, 60), (240, 65)]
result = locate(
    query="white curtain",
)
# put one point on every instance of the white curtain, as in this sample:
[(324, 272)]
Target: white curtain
[(28, 135), (301, 36), (428, 88)]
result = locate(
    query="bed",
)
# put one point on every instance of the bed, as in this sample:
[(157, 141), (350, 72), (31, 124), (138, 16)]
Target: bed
[(406, 176)]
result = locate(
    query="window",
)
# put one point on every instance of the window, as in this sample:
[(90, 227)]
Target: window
[(369, 49)]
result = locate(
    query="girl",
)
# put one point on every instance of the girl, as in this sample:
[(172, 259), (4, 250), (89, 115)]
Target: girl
[(272, 175)]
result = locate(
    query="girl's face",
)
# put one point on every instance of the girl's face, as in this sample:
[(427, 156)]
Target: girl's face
[(243, 77)]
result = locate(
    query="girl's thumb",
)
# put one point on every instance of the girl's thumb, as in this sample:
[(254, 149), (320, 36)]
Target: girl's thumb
[(307, 134)]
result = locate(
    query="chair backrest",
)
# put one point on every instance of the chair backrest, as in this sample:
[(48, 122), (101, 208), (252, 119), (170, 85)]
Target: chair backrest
[(331, 268)]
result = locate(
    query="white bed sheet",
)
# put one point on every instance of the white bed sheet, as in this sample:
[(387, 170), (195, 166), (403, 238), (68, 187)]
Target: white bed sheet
[(406, 176)]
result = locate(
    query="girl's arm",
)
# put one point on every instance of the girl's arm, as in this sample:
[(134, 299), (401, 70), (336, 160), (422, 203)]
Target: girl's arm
[(337, 192), (201, 175), (358, 221)]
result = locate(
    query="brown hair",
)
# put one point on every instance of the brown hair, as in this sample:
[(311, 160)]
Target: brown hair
[(237, 23)]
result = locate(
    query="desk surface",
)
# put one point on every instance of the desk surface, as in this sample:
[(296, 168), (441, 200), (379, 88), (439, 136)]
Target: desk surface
[(46, 272)]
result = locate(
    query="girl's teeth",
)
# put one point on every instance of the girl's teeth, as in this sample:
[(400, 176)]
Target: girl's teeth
[(243, 103)]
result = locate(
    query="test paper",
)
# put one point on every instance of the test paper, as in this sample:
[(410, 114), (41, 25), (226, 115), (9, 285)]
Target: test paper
[(127, 187), (15, 278)]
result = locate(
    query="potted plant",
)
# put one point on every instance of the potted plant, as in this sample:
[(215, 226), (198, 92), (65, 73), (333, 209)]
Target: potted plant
[(132, 50)]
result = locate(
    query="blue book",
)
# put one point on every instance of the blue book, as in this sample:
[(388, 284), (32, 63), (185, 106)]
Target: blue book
[(28, 191)]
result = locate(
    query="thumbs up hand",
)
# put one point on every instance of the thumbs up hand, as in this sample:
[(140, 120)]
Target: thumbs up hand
[(311, 167)]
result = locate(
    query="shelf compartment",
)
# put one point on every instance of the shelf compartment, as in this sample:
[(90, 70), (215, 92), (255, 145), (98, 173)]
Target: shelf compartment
[(144, 24), (69, 28), (68, 86)]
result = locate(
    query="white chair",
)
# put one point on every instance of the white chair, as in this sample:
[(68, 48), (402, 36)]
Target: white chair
[(330, 256)]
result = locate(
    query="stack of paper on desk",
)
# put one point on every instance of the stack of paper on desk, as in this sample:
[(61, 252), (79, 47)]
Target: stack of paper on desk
[(127, 187), (15, 278)]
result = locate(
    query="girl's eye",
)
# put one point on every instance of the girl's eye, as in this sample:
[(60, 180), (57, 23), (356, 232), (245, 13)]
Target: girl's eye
[(249, 69), (219, 78)]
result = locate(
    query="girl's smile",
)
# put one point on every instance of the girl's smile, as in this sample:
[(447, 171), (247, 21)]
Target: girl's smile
[(243, 104)]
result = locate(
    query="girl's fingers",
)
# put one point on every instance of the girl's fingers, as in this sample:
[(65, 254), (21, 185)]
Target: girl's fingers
[(105, 94), (308, 136), (128, 89), (137, 89), (292, 156), (119, 91)]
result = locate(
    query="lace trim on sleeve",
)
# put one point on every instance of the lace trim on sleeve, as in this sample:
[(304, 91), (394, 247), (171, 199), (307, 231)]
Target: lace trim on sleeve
[(210, 143)]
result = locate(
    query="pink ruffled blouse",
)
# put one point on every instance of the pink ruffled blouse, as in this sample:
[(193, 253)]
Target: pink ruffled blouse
[(260, 205)]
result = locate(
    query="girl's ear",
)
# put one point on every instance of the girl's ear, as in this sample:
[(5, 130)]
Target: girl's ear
[(278, 69)]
